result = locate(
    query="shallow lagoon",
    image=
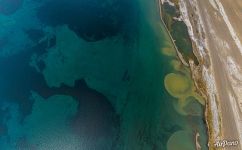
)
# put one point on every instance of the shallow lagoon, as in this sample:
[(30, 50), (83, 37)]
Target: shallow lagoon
[(70, 85)]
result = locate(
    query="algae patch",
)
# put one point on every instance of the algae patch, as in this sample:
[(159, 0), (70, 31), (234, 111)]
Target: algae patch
[(181, 140), (177, 85)]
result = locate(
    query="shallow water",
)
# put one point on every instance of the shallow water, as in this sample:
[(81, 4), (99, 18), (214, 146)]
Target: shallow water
[(91, 75), (178, 31)]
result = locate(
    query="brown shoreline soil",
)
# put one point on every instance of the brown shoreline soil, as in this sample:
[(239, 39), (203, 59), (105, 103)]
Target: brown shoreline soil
[(213, 23), (195, 70)]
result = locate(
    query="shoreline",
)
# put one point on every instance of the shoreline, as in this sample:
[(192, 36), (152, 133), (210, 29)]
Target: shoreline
[(202, 74), (170, 36), (220, 58), (195, 77)]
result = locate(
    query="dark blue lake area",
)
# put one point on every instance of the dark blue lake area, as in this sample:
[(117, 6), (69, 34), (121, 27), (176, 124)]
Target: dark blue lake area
[(92, 20), (94, 117)]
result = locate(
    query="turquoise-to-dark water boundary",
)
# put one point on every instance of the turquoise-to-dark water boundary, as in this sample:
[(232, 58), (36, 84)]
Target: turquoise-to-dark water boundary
[(90, 75)]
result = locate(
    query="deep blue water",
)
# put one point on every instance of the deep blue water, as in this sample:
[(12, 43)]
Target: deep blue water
[(83, 75), (92, 20)]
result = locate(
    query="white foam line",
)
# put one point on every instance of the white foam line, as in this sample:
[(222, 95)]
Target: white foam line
[(230, 27)]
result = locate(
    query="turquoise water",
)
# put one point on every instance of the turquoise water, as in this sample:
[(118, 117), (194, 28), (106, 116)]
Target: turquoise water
[(89, 75)]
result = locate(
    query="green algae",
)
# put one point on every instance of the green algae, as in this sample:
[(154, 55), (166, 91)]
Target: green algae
[(177, 84), (181, 140)]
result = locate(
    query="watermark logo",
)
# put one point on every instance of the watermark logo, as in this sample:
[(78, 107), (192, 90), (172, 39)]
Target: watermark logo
[(226, 143)]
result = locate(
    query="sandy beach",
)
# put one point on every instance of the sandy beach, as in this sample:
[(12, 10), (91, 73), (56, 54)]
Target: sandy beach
[(215, 29)]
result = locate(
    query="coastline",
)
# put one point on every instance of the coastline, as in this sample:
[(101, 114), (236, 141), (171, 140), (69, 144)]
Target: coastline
[(170, 36), (202, 74), (196, 73), (223, 73), (218, 75)]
